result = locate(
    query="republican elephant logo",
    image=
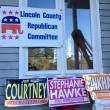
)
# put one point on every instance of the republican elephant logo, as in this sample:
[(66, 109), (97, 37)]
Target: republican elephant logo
[(11, 23)]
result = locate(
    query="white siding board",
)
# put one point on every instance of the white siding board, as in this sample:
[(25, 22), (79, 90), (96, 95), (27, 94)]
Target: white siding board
[(9, 73), (105, 19), (105, 12), (105, 6), (106, 62), (105, 48), (105, 34), (9, 65), (106, 55), (106, 41), (107, 70), (9, 57), (105, 27), (11, 2), (104, 1), (2, 98), (8, 50), (2, 91)]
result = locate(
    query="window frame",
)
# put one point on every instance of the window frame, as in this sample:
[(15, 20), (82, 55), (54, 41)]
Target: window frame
[(61, 51), (23, 57), (97, 51)]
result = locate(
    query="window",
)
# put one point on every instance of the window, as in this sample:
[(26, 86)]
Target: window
[(80, 52), (82, 37), (79, 48)]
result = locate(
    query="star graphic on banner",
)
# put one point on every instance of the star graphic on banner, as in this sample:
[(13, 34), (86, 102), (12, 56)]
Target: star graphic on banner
[(5, 19), (4, 12), (10, 37), (16, 37), (16, 20), (11, 20), (16, 12), (10, 12), (3, 37)]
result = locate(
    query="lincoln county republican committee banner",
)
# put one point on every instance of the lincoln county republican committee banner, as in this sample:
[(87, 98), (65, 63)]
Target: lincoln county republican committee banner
[(67, 91), (25, 92), (28, 27)]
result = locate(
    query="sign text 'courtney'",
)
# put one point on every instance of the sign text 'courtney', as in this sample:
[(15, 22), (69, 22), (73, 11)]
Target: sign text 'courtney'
[(26, 92)]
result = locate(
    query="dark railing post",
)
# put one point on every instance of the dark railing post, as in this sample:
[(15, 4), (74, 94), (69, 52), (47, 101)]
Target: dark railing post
[(76, 54)]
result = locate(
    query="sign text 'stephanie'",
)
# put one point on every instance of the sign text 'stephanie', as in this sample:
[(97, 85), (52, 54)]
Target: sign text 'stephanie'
[(68, 91)]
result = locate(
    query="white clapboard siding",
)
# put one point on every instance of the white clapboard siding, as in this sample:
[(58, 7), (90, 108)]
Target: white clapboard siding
[(8, 50), (105, 40), (9, 65), (9, 2), (106, 62), (104, 1), (105, 27), (106, 48), (2, 98), (106, 55), (105, 19), (106, 70), (9, 73), (2, 90), (105, 33), (105, 6), (105, 13), (9, 57)]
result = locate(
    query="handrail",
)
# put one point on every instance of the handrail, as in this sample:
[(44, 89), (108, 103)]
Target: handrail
[(83, 45)]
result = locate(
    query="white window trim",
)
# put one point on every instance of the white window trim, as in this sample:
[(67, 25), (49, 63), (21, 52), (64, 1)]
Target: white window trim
[(61, 53), (24, 66), (99, 47)]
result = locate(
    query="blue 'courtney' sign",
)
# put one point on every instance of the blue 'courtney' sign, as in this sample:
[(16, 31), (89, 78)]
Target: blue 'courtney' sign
[(30, 27)]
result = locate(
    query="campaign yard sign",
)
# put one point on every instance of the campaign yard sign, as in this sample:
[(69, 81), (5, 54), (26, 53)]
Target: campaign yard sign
[(69, 91), (28, 27), (98, 85), (25, 92)]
